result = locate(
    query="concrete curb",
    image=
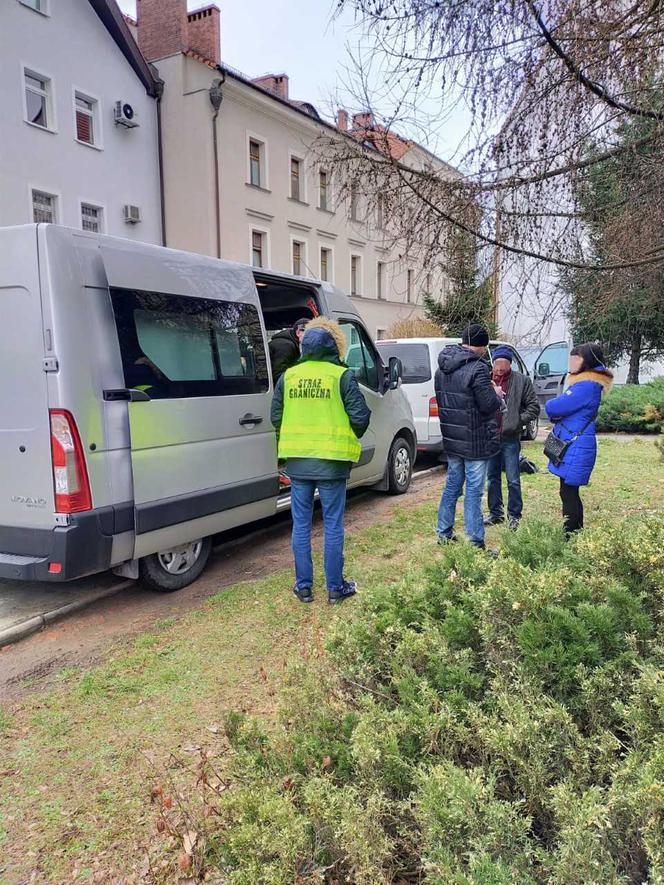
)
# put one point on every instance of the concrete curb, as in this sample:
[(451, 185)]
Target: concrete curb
[(38, 622)]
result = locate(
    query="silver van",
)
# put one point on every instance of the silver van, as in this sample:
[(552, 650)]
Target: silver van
[(135, 403)]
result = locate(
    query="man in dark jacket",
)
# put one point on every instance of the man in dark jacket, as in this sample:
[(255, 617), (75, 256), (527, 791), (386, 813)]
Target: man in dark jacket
[(521, 406), (467, 405), (284, 348), (320, 414)]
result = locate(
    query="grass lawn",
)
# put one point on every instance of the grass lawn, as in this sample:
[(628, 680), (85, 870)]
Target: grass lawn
[(77, 762)]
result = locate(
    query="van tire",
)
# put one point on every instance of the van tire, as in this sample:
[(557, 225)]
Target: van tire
[(399, 466), (154, 571)]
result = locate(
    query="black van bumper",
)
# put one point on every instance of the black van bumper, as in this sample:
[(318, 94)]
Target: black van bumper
[(66, 552)]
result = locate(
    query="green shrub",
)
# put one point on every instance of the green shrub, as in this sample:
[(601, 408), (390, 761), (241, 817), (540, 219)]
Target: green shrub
[(482, 722), (633, 408)]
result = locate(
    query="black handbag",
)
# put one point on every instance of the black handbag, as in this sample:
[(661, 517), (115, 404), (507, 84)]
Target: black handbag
[(556, 448)]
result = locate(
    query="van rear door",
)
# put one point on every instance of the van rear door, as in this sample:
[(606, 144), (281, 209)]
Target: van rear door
[(194, 356), (417, 379), (26, 473)]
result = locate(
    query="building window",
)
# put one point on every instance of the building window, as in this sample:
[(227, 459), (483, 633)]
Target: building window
[(325, 263), (429, 284), (295, 178), (38, 99), (380, 274), (323, 189), (255, 163), (353, 205), (44, 207), (355, 274), (409, 285), (381, 334), (380, 212), (258, 248), (85, 119), (298, 258), (37, 5), (91, 218)]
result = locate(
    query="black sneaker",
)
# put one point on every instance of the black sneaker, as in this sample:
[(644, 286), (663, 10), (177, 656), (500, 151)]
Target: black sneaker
[(304, 594), (447, 539), (489, 550), (513, 523), (493, 520), (349, 589)]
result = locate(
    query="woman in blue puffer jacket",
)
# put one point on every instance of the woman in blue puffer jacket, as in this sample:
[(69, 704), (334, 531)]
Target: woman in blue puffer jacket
[(574, 413)]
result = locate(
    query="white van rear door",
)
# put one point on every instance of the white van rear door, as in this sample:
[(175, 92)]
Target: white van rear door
[(193, 348), (26, 473), (416, 380)]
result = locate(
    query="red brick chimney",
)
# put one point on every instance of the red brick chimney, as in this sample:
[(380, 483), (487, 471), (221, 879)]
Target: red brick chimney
[(276, 83), (165, 27), (363, 121), (342, 120), (204, 32)]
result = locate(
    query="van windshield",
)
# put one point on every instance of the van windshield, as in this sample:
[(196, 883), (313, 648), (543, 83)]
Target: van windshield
[(414, 359)]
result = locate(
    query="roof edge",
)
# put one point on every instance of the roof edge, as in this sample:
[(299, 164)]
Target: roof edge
[(114, 22)]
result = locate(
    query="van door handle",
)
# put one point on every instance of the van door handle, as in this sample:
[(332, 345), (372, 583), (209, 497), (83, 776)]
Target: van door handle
[(125, 395), (250, 419)]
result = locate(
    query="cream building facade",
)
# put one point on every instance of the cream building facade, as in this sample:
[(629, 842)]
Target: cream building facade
[(241, 181)]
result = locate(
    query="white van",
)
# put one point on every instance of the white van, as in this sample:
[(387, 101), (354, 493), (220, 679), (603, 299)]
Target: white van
[(135, 403), (419, 361)]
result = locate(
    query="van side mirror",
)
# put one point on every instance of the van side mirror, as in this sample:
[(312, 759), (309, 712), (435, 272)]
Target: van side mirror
[(395, 371), (544, 370)]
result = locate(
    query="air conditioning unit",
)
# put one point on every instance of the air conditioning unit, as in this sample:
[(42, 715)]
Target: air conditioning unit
[(125, 115), (131, 214)]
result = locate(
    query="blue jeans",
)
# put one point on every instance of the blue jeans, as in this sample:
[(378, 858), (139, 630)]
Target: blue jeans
[(509, 457), (474, 474), (332, 494)]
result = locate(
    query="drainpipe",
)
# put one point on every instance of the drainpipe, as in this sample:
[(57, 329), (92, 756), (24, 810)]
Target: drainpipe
[(216, 98), (159, 92)]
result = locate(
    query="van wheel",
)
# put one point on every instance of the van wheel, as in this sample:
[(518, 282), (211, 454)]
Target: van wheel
[(531, 429), (400, 466), (177, 568)]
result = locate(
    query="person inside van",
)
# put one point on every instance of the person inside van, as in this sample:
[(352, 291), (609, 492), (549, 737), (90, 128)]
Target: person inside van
[(521, 406), (320, 415), (284, 348), (468, 403)]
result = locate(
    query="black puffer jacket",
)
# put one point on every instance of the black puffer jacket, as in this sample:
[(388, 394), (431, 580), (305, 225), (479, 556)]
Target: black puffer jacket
[(284, 352), (467, 404)]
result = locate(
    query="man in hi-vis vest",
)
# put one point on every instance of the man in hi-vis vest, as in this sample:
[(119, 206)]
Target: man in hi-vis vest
[(320, 414)]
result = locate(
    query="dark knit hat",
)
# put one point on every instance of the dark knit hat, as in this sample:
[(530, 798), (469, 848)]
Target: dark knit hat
[(475, 335), (301, 323), (503, 353)]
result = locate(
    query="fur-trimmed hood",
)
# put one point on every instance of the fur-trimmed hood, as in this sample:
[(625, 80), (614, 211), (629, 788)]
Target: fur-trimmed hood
[(600, 375), (332, 328)]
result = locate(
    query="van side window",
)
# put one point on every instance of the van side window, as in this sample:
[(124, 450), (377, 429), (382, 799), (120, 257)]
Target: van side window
[(175, 347), (361, 356)]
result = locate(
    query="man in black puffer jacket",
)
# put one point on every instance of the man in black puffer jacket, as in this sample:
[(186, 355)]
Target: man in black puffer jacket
[(284, 348), (468, 402)]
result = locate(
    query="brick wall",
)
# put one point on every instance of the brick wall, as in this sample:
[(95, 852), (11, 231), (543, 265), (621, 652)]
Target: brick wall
[(204, 33), (164, 27)]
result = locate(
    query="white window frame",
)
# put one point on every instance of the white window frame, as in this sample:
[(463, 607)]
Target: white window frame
[(93, 204), (253, 228), (52, 192), (264, 157), (359, 277), (49, 93), (294, 155), (330, 262), (45, 6), (380, 279), (97, 133), (354, 211), (304, 255)]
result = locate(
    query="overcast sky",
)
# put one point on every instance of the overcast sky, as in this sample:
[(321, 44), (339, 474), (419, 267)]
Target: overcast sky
[(302, 39)]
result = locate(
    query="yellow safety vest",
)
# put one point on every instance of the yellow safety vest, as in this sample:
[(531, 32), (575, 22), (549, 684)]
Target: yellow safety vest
[(314, 421)]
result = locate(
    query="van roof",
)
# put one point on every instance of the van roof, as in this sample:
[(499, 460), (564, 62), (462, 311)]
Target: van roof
[(494, 341)]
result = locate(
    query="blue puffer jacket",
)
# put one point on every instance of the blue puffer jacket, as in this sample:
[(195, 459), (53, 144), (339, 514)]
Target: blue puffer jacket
[(570, 412)]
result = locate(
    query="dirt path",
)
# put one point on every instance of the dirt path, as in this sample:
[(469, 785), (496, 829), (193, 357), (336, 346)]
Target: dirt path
[(88, 636)]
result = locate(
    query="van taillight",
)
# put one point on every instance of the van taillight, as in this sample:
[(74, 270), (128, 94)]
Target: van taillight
[(70, 475), (433, 407)]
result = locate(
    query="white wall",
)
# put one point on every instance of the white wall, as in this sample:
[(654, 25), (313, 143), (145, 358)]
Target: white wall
[(73, 48)]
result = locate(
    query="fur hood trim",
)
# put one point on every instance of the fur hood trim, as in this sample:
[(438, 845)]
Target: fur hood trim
[(605, 378), (335, 331)]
